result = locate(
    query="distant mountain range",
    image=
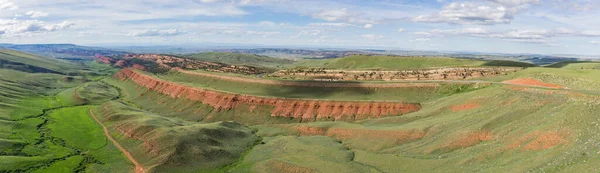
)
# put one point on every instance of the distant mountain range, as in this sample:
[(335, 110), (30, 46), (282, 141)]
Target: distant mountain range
[(77, 52), (63, 51)]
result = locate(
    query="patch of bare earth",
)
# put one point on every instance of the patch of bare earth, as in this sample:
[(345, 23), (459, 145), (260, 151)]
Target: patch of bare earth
[(540, 140), (533, 83), (465, 107), (469, 139), (399, 136)]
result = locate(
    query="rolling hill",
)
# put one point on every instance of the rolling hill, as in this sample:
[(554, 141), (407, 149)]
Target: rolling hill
[(387, 62), (63, 51), (535, 119), (33, 63), (382, 62), (240, 59)]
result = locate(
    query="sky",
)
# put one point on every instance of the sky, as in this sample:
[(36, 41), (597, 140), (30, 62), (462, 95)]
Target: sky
[(499, 26)]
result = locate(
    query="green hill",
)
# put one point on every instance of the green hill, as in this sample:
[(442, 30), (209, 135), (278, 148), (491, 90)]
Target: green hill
[(388, 62), (240, 59), (32, 63), (165, 144), (507, 63), (576, 65)]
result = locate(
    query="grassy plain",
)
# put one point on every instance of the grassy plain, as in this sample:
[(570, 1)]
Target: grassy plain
[(364, 62), (406, 94), (240, 59)]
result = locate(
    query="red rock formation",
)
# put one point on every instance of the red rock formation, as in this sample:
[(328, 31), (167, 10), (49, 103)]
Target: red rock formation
[(104, 60), (294, 108), (139, 67), (121, 63)]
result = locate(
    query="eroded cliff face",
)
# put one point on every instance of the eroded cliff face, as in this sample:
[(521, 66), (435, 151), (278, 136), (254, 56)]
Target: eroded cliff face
[(307, 110)]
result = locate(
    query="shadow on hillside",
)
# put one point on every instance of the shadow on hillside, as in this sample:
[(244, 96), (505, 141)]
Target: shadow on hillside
[(507, 63), (318, 92), (565, 63)]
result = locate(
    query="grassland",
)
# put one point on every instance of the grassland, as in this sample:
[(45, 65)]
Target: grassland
[(508, 63), (42, 128), (363, 62), (406, 94), (32, 63), (496, 129), (165, 144), (240, 59), (46, 126)]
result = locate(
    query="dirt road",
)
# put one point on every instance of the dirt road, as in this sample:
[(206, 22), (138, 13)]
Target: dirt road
[(138, 167)]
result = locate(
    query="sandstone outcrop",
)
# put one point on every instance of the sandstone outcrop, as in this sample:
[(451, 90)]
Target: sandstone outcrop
[(307, 110)]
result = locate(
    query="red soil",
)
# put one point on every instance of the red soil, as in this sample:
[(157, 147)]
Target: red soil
[(121, 63), (104, 60), (465, 107), (469, 139), (138, 167), (294, 108), (347, 133), (139, 67), (540, 140), (533, 82)]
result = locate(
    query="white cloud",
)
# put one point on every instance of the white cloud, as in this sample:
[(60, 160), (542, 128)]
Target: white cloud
[(420, 40), (331, 24), (594, 42), (496, 12), (341, 15), (267, 23), (372, 36), (468, 13), (209, 1), (400, 29), (513, 3), (527, 36), (310, 33), (254, 2), (157, 33), (333, 15), (236, 32), (59, 26), (13, 27), (7, 5), (368, 26), (36, 14)]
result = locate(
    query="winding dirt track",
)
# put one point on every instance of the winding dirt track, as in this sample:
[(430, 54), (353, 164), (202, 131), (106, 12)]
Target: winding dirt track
[(138, 167)]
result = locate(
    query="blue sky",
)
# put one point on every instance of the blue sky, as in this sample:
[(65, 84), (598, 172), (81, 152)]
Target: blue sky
[(504, 26)]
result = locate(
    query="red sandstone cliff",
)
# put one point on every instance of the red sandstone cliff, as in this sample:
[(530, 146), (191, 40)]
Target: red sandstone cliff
[(104, 60), (307, 110)]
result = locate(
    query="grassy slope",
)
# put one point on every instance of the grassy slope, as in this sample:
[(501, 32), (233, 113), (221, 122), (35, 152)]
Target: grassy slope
[(301, 154), (394, 94), (586, 79), (240, 59), (509, 130), (30, 60), (39, 122), (359, 62), (508, 63), (174, 145), (24, 96), (583, 65), (78, 130)]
